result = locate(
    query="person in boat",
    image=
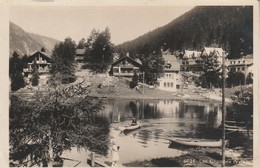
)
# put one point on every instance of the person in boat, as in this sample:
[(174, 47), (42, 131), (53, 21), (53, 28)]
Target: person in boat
[(134, 122)]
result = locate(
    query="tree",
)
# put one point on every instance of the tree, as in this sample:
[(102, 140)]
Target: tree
[(211, 70), (235, 78), (241, 109), (35, 75), (43, 49), (63, 67), (42, 127), (81, 44), (153, 65), (134, 81), (24, 61), (99, 53), (249, 78), (15, 72)]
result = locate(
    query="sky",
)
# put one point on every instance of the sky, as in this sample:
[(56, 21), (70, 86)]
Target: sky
[(125, 22)]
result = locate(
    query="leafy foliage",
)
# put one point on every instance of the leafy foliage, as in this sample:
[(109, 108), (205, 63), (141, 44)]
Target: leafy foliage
[(229, 26), (235, 79), (99, 51), (241, 110), (62, 67), (15, 72), (54, 121)]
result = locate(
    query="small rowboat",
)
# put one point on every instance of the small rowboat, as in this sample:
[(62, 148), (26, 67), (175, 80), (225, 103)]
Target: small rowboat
[(197, 142), (130, 128), (233, 128)]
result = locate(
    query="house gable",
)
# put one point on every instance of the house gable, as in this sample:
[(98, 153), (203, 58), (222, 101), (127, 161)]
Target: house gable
[(39, 55), (126, 67)]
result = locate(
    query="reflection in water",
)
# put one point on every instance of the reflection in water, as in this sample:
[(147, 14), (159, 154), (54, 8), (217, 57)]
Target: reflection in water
[(160, 120), (190, 116)]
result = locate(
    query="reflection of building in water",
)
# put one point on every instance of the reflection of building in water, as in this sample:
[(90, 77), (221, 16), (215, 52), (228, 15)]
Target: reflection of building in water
[(168, 107)]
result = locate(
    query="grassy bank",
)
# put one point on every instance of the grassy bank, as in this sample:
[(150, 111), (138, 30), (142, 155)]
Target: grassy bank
[(103, 85), (202, 157)]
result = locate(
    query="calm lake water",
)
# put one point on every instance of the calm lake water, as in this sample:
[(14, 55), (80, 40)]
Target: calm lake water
[(160, 120)]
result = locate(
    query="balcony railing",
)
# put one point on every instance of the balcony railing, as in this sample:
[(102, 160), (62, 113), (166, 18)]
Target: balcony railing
[(124, 74)]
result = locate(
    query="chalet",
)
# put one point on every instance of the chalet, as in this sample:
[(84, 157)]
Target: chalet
[(244, 64), (192, 65), (219, 52), (79, 57), (42, 60), (126, 67), (170, 80), (191, 54)]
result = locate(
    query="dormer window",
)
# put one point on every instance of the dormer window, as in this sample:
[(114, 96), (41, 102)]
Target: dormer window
[(168, 66)]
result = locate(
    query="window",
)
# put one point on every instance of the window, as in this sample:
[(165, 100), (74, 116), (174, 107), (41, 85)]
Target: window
[(238, 69), (168, 84), (164, 84), (171, 84), (115, 69), (243, 69)]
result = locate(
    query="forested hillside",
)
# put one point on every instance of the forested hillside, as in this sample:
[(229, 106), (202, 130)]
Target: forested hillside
[(230, 27)]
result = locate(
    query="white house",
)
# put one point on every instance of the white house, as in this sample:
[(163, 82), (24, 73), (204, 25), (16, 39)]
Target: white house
[(170, 79)]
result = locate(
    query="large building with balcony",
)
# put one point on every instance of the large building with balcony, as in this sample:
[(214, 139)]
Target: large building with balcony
[(42, 61), (126, 67), (244, 65)]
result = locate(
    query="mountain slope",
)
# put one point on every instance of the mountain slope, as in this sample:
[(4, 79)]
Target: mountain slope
[(230, 27), (27, 43)]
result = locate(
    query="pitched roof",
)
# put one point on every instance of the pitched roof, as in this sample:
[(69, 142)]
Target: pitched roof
[(44, 54), (209, 50), (80, 51), (190, 54), (138, 62), (171, 59)]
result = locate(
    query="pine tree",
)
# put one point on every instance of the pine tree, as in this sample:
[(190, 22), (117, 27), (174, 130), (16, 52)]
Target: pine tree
[(43, 127), (153, 65), (99, 53), (35, 75), (81, 44), (15, 72), (134, 81), (211, 70), (62, 68)]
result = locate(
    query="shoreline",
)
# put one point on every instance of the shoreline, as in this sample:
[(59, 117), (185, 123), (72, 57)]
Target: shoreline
[(194, 97)]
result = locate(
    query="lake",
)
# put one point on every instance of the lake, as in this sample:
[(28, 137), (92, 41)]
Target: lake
[(160, 120)]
